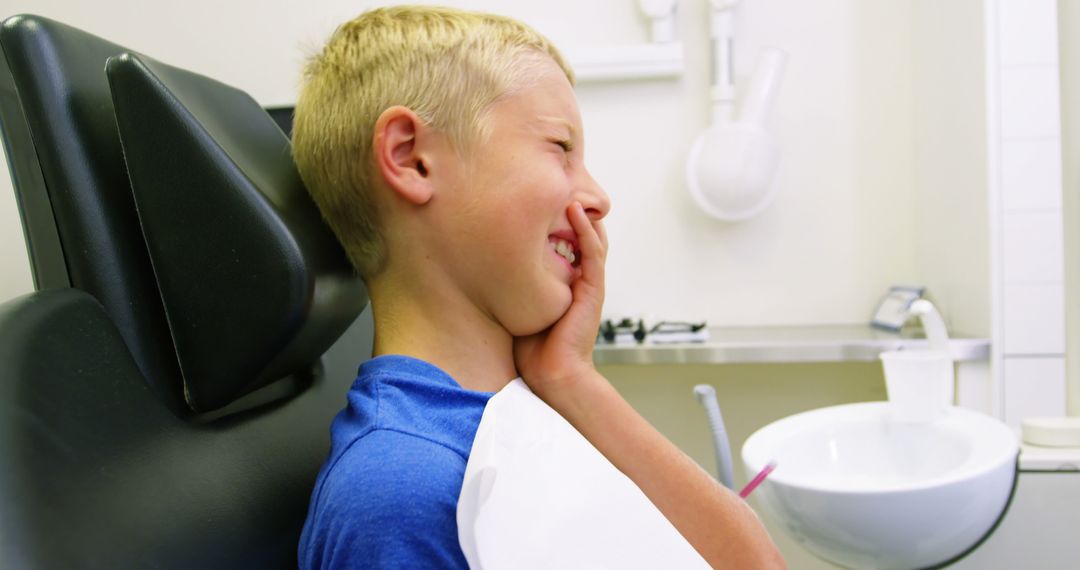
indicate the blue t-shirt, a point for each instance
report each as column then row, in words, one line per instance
column 387, row 495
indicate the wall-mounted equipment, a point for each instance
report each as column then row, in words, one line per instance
column 732, row 164
column 660, row 58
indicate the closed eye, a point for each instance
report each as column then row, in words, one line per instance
column 566, row 145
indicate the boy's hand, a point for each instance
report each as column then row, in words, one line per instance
column 557, row 366
column 554, row 361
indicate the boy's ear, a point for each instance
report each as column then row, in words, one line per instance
column 401, row 154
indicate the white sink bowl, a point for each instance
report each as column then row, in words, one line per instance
column 862, row 491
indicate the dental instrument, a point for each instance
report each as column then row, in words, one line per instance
column 707, row 396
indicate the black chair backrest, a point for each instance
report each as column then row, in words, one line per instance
column 97, row 468
column 60, row 135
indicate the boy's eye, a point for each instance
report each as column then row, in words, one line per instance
column 566, row 145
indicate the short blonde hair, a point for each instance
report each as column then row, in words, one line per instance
column 448, row 66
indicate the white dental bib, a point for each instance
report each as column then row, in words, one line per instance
column 538, row 495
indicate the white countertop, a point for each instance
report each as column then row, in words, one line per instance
column 1038, row 458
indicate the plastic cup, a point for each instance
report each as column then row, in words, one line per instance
column 919, row 384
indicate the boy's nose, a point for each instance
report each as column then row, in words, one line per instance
column 593, row 199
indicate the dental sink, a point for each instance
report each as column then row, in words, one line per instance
column 862, row 490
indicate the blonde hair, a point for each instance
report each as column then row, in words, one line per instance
column 448, row 66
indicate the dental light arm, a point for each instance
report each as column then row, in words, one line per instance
column 722, row 30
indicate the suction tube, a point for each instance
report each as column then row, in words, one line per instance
column 707, row 396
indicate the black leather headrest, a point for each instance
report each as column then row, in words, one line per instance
column 254, row 284
column 73, row 192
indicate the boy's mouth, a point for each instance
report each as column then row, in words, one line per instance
column 566, row 248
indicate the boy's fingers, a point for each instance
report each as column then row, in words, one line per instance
column 591, row 241
column 601, row 231
column 590, row 233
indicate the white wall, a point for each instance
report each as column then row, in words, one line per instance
column 951, row 210
column 840, row 232
column 1069, row 28
column 15, row 276
column 1024, row 137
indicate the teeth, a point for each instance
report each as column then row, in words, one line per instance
column 563, row 248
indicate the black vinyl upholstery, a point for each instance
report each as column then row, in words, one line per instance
column 60, row 132
column 218, row 195
column 96, row 473
column 102, row 464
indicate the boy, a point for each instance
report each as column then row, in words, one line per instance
column 445, row 150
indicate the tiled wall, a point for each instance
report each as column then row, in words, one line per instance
column 1024, row 119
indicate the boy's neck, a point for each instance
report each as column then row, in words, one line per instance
column 445, row 331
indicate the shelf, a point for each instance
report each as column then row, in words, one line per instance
column 825, row 343
column 627, row 63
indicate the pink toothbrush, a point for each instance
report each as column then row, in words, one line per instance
column 749, row 488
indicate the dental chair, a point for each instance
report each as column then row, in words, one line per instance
column 166, row 392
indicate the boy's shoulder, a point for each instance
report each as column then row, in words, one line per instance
column 390, row 477
column 389, row 468
column 389, row 501
column 410, row 397
column 404, row 418
column 390, row 487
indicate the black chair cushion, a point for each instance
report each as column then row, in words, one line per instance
column 255, row 286
column 96, row 473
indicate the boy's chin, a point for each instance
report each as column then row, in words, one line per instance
column 540, row 319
